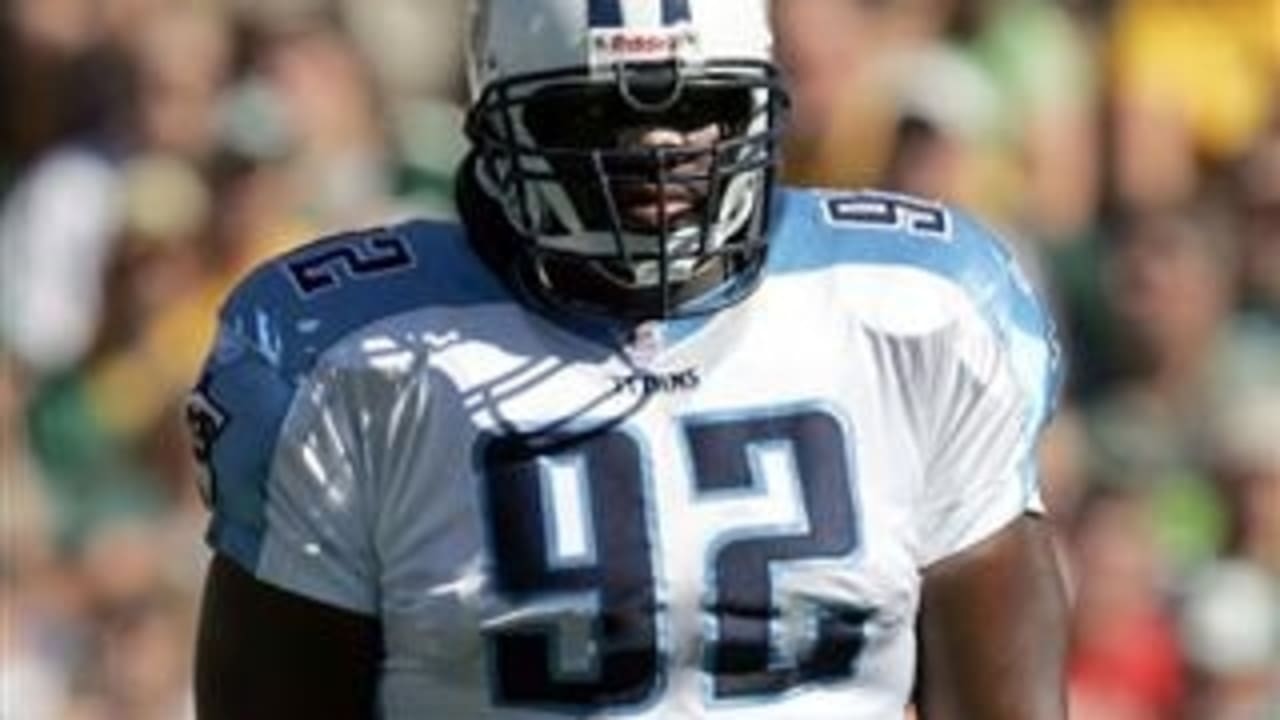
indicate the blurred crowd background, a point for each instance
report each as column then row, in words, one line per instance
column 153, row 150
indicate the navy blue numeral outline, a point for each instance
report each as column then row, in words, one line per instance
column 356, row 259
column 889, row 211
column 741, row 662
column 522, row 666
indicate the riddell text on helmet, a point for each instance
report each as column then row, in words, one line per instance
column 614, row 46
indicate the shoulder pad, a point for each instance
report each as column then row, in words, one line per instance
column 824, row 229
column 295, row 307
column 275, row 327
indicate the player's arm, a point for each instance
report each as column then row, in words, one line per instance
column 993, row 630
column 266, row 653
column 288, row 626
column 992, row 622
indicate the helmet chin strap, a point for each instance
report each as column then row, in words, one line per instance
column 604, row 245
column 603, row 287
column 591, row 287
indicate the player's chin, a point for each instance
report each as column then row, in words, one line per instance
column 652, row 217
column 650, row 212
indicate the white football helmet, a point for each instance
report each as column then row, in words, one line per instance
column 557, row 87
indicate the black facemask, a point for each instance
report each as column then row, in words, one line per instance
column 564, row 132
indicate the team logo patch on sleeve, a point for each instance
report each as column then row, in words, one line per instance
column 206, row 421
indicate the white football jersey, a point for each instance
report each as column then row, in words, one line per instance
column 721, row 517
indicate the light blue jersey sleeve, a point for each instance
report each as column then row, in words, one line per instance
column 985, row 367
column 279, row 417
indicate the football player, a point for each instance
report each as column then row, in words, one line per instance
column 645, row 435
